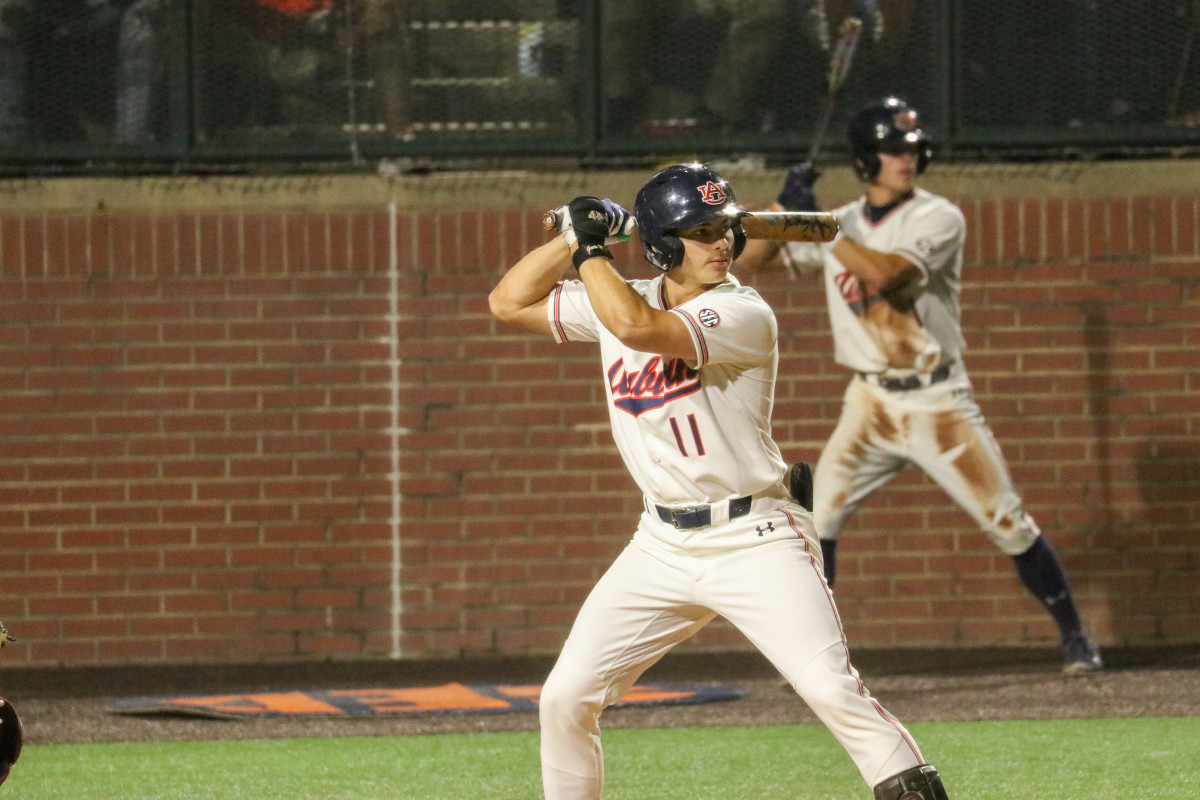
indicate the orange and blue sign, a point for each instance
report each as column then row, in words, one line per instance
column 447, row 698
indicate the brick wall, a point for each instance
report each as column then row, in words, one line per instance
column 202, row 412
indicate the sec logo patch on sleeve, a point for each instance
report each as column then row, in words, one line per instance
column 709, row 318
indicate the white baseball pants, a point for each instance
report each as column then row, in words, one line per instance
column 652, row 598
column 940, row 429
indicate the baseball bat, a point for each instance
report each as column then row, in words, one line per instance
column 780, row 226
column 790, row 226
column 839, row 67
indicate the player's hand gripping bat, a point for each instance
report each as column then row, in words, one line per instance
column 784, row 226
column 839, row 67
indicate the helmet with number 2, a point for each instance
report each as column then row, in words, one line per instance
column 890, row 123
column 682, row 196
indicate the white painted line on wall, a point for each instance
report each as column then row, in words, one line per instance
column 394, row 361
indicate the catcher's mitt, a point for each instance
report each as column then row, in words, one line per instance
column 12, row 736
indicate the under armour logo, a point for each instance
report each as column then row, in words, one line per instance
column 769, row 529
column 712, row 193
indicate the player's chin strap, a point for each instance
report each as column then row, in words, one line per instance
column 922, row 782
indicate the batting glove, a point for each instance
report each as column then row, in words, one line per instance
column 591, row 223
column 620, row 223
column 563, row 215
column 797, row 193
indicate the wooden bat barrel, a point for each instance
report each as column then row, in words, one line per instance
column 782, row 226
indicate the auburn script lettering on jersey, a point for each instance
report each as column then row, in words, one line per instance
column 681, row 424
column 653, row 386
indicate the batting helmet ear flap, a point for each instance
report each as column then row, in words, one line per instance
column 667, row 250
column 867, row 165
column 924, row 156
column 739, row 239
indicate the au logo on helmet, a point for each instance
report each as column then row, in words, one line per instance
column 905, row 120
column 713, row 193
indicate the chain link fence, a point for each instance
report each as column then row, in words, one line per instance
column 183, row 85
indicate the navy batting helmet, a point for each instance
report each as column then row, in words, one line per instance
column 889, row 123
column 682, row 196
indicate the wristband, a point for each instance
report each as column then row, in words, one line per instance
column 590, row 251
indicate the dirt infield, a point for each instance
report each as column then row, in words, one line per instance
column 69, row 706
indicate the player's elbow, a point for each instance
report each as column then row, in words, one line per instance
column 902, row 288
column 502, row 306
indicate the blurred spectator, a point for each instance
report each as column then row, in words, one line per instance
column 56, row 69
column 144, row 40
column 754, row 32
column 301, row 64
column 380, row 26
column 99, row 70
column 717, row 65
column 261, row 64
column 14, row 44
column 664, row 61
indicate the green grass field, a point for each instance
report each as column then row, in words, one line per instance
column 1097, row 759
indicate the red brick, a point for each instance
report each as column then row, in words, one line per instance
column 237, row 416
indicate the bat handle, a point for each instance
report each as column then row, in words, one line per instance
column 553, row 220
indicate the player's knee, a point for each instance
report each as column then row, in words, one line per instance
column 567, row 700
column 1013, row 532
column 831, row 690
column 557, row 701
column 922, row 782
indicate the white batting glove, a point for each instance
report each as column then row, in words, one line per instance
column 620, row 223
column 563, row 215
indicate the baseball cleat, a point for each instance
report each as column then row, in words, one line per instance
column 1082, row 656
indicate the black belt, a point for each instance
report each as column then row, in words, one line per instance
column 912, row 381
column 700, row 516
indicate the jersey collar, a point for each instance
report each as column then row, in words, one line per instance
column 660, row 293
column 875, row 214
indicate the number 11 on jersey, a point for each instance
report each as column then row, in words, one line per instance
column 691, row 418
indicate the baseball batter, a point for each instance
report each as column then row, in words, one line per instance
column 688, row 361
column 892, row 280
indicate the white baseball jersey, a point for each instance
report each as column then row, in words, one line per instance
column 697, row 432
column 690, row 433
column 939, row 427
column 869, row 334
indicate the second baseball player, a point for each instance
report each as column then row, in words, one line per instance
column 893, row 279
